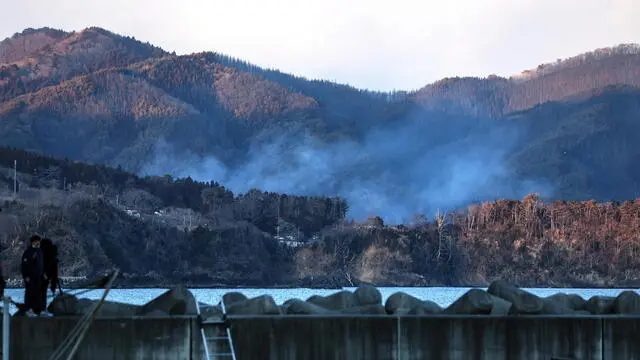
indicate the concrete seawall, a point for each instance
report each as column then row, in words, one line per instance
column 436, row 337
column 130, row 338
column 502, row 322
column 348, row 337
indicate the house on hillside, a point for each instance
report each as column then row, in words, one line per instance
column 289, row 241
column 132, row 212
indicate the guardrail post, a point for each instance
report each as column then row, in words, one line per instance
column 6, row 328
column 398, row 351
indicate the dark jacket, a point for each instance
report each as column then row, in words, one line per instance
column 50, row 259
column 3, row 284
column 32, row 264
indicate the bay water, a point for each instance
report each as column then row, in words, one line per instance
column 443, row 296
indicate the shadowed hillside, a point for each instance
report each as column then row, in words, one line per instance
column 156, row 229
column 160, row 230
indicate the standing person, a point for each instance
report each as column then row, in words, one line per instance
column 50, row 261
column 3, row 284
column 33, row 275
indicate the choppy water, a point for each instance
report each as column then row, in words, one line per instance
column 440, row 295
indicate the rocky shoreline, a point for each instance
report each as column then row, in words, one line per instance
column 500, row 299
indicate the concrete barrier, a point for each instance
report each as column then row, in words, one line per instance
column 162, row 338
column 455, row 337
column 342, row 336
column 620, row 337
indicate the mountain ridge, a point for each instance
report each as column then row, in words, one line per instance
column 100, row 97
column 524, row 75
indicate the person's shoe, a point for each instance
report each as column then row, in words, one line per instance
column 30, row 313
column 46, row 314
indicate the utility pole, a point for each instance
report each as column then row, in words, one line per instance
column 278, row 220
column 15, row 178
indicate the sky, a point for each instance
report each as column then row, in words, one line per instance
column 372, row 44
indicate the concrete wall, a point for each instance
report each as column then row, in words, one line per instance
column 437, row 337
column 621, row 337
column 343, row 337
column 168, row 338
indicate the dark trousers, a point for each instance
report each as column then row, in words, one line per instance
column 33, row 296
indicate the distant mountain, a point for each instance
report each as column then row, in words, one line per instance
column 564, row 129
column 495, row 96
column 35, row 59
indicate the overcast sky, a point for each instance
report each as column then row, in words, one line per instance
column 382, row 45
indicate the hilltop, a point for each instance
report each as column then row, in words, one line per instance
column 578, row 76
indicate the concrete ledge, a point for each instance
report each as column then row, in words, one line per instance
column 165, row 338
column 311, row 337
column 621, row 337
column 343, row 336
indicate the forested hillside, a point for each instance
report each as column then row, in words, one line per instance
column 162, row 230
column 154, row 226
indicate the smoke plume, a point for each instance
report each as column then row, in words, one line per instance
column 394, row 171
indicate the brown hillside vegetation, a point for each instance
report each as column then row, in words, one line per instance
column 472, row 96
column 140, row 91
column 497, row 96
column 103, row 93
column 28, row 42
column 43, row 57
column 77, row 53
column 241, row 93
column 528, row 242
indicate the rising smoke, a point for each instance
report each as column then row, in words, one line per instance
column 394, row 171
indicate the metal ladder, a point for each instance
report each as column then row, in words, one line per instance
column 211, row 330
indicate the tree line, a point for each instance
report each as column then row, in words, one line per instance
column 528, row 241
column 263, row 209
